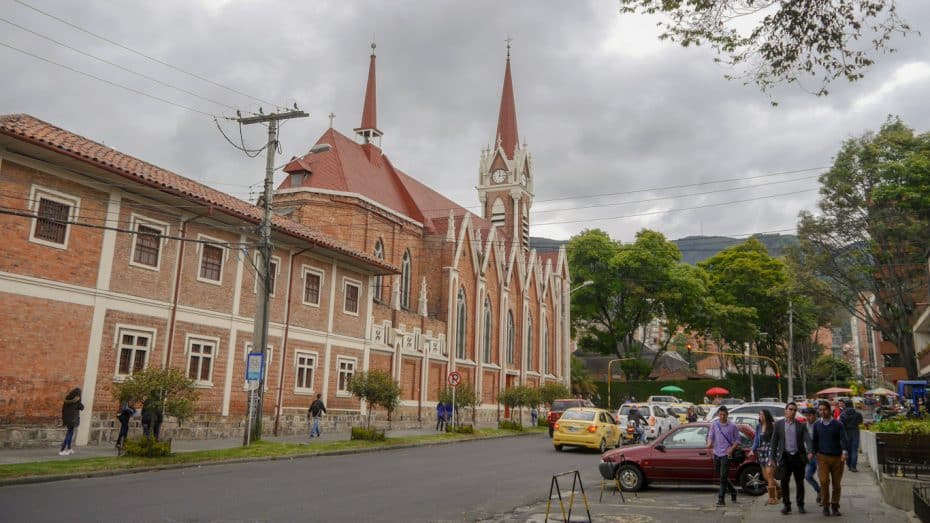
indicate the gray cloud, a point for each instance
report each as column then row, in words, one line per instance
column 604, row 106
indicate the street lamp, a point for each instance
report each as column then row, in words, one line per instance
column 587, row 283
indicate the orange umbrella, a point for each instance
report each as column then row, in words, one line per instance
column 717, row 391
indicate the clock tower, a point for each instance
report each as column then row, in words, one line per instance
column 505, row 174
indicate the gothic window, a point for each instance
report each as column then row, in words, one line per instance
column 544, row 348
column 461, row 317
column 486, row 328
column 498, row 212
column 379, row 280
column 511, row 337
column 526, row 226
column 405, row 280
column 529, row 342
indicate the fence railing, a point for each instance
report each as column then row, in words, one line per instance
column 922, row 503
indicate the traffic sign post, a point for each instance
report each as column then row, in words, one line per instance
column 454, row 379
column 254, row 370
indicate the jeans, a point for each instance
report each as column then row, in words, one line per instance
column 66, row 444
column 440, row 422
column 794, row 466
column 315, row 429
column 809, row 475
column 123, row 432
column 830, row 469
column 722, row 467
column 852, row 459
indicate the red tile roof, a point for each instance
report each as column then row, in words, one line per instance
column 32, row 130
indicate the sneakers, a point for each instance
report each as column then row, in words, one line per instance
column 70, row 451
column 826, row 511
column 721, row 502
column 836, row 511
column 63, row 453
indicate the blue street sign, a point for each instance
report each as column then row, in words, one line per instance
column 255, row 365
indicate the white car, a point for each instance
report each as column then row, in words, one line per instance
column 777, row 410
column 662, row 400
column 658, row 421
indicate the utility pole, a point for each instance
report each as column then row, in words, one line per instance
column 263, row 269
column 790, row 350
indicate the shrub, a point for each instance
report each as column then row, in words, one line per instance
column 147, row 447
column 902, row 426
column 368, row 434
column 460, row 429
column 510, row 425
column 542, row 422
column 378, row 388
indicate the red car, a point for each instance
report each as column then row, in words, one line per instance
column 560, row 406
column 680, row 456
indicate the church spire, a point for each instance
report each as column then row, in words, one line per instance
column 507, row 120
column 369, row 127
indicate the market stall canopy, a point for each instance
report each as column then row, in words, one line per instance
column 717, row 391
column 671, row 388
column 881, row 391
column 834, row 390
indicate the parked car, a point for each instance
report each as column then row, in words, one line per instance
column 663, row 400
column 560, row 406
column 768, row 400
column 777, row 410
column 587, row 427
column 658, row 421
column 681, row 456
column 732, row 401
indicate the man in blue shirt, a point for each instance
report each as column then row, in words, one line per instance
column 723, row 438
column 831, row 449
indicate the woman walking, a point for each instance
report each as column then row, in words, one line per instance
column 71, row 418
column 762, row 448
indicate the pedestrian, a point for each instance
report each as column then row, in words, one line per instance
column 706, row 400
column 450, row 414
column 762, row 448
column 789, row 453
column 440, row 416
column 126, row 412
column 830, row 447
column 315, row 413
column 152, row 415
column 70, row 418
column 723, row 438
column 851, row 419
column 534, row 416
column 811, row 416
column 691, row 416
column 639, row 423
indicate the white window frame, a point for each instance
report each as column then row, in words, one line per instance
column 223, row 258
column 118, row 330
column 304, row 269
column 344, row 393
column 316, row 358
column 269, row 352
column 346, row 282
column 189, row 340
column 38, row 192
column 276, row 261
column 135, row 220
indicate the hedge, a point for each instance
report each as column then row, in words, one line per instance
column 738, row 385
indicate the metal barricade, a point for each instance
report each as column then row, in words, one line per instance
column 576, row 483
column 922, row 503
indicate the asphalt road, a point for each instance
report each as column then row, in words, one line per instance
column 458, row 482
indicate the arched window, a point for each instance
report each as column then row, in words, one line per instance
column 461, row 317
column 529, row 342
column 511, row 337
column 405, row 280
column 544, row 349
column 486, row 328
column 379, row 280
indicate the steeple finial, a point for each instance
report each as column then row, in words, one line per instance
column 369, row 127
column 507, row 119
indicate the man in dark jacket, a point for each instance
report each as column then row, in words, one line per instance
column 152, row 415
column 70, row 418
column 639, row 422
column 316, row 411
column 851, row 419
column 790, row 453
column 830, row 447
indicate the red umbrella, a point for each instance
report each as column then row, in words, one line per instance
column 834, row 390
column 717, row 391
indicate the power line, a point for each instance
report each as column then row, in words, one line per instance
column 134, row 51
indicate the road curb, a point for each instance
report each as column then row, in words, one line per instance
column 27, row 480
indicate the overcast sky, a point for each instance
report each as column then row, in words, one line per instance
column 605, row 108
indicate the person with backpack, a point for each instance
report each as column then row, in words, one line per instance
column 315, row 412
column 70, row 418
column 125, row 414
column 851, row 419
column 440, row 416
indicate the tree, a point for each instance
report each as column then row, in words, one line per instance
column 465, row 398
column 828, row 369
column 552, row 391
column 768, row 42
column 377, row 388
column 172, row 391
column 518, row 397
column 868, row 242
column 635, row 369
column 682, row 302
column 582, row 382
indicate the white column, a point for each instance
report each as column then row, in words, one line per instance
column 329, row 332
column 233, row 351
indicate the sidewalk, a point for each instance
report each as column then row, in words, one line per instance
column 861, row 500
column 30, row 455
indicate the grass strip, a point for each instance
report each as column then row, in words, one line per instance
column 259, row 449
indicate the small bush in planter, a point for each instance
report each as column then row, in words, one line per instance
column 510, row 425
column 367, row 434
column 147, row 447
column 460, row 429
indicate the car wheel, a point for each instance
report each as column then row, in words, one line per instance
column 602, row 447
column 751, row 481
column 558, row 448
column 631, row 478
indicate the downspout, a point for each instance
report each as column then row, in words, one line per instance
column 287, row 323
column 422, row 370
column 177, row 284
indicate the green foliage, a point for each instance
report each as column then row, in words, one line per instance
column 582, row 382
column 466, row 397
column 461, row 429
column 903, row 426
column 552, row 391
column 518, row 397
column 367, row 434
column 872, row 231
column 828, row 369
column 510, row 425
column 635, row 369
column 167, row 389
column 770, row 43
column 377, row 388
column 737, row 384
column 146, row 447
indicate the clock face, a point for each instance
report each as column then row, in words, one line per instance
column 498, row 176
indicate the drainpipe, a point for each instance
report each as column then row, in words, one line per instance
column 177, row 283
column 287, row 323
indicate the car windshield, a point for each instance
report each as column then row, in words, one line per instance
column 577, row 415
column 564, row 404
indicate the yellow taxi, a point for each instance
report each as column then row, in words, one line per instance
column 680, row 410
column 587, row 427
